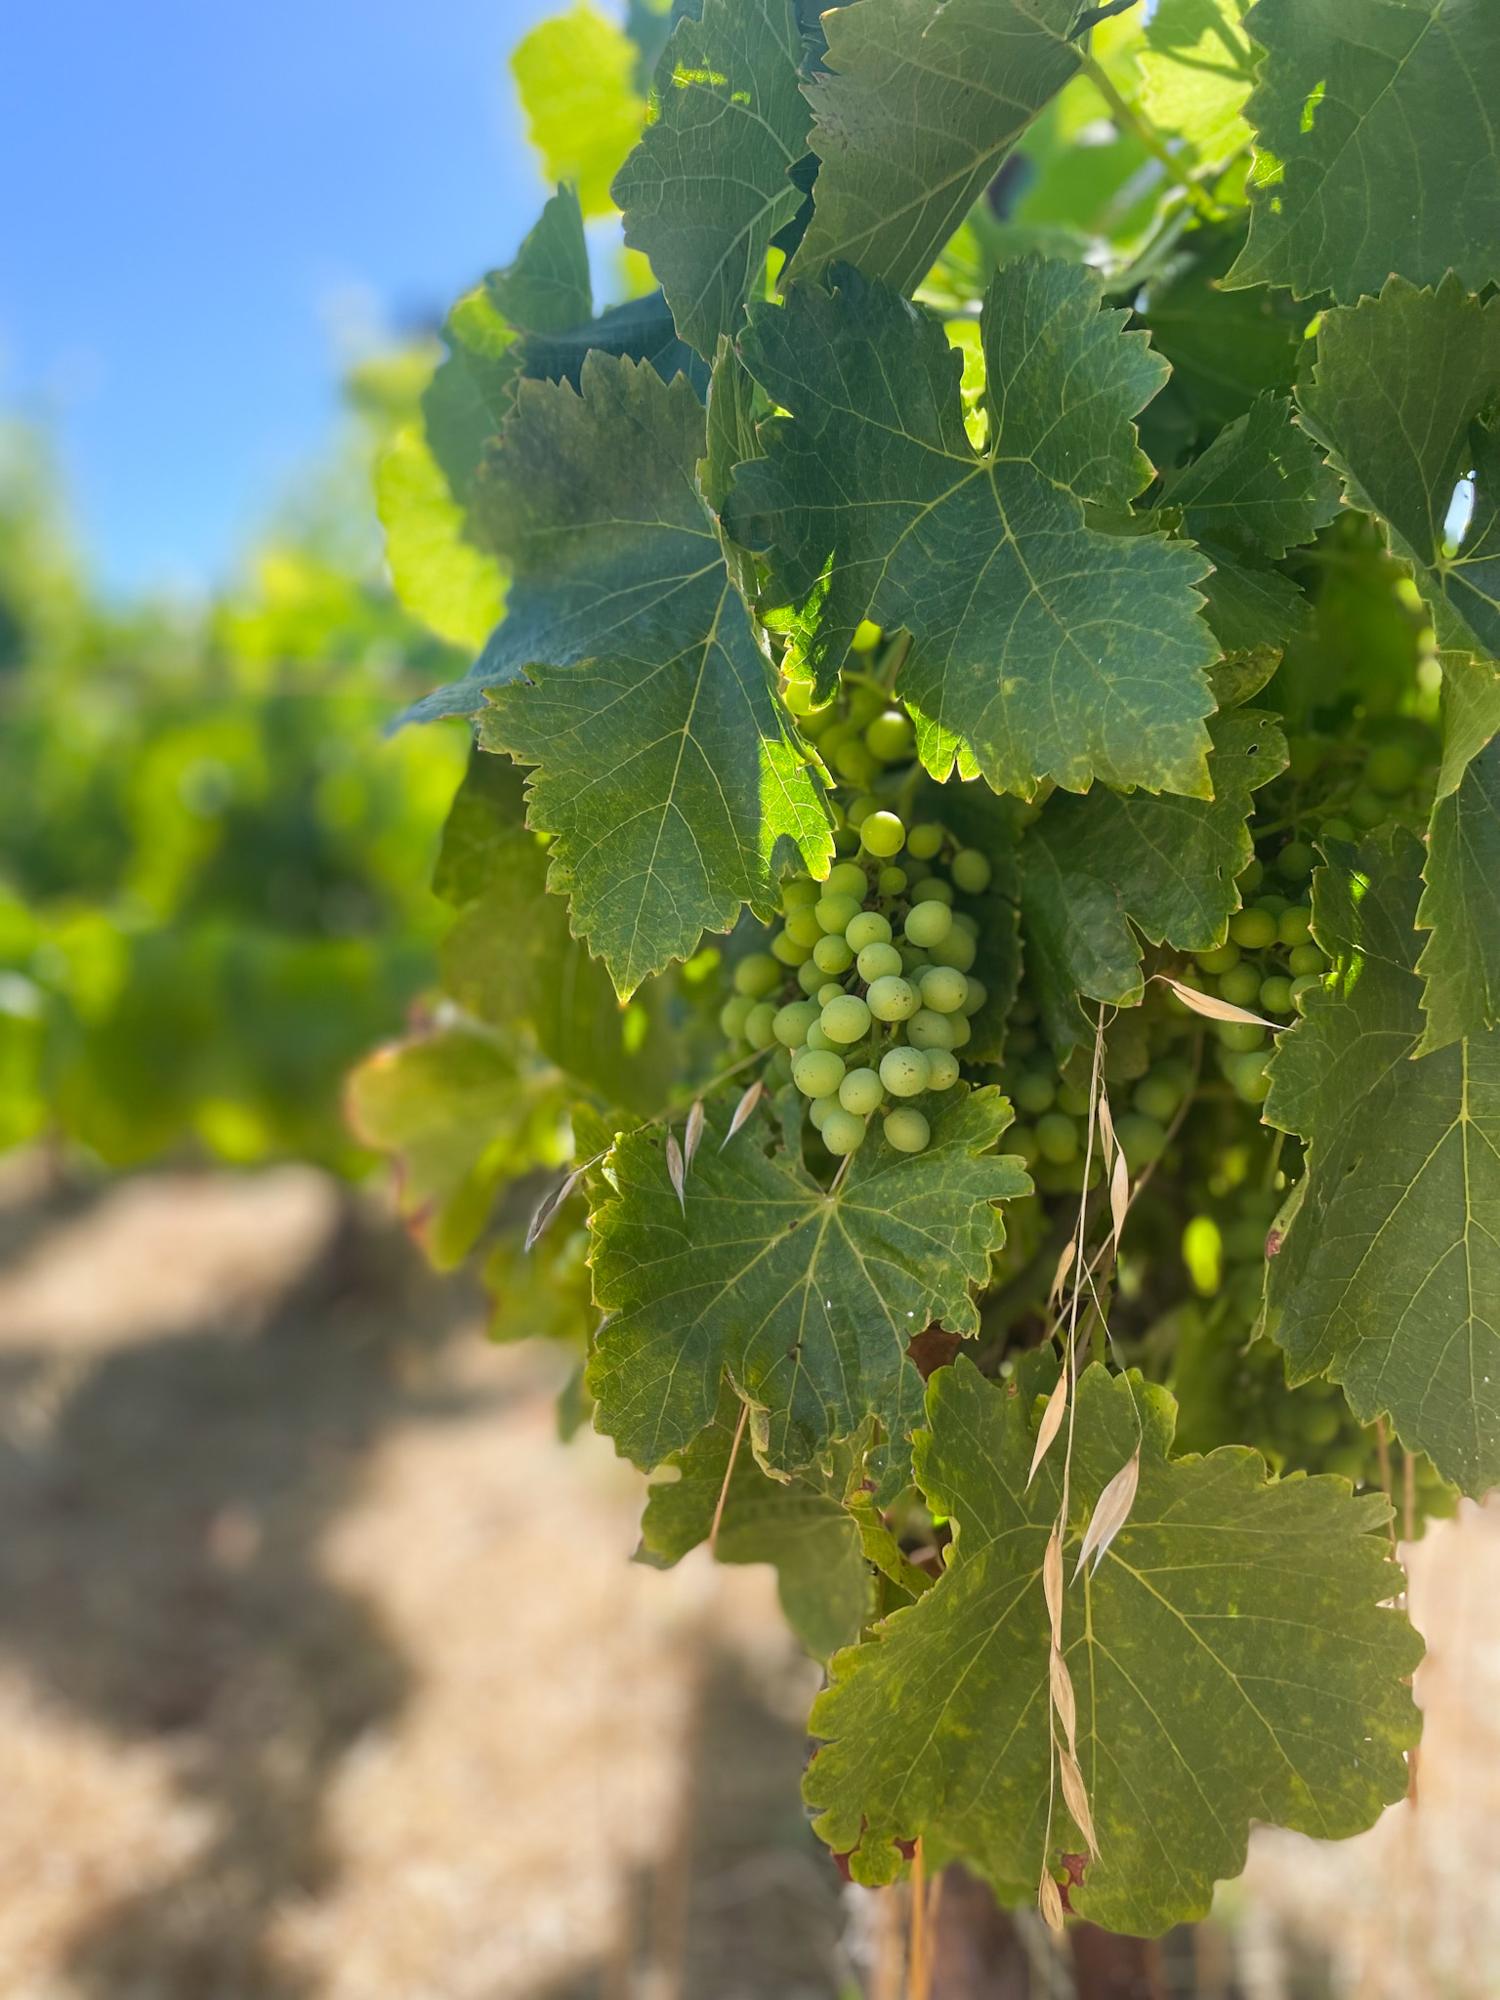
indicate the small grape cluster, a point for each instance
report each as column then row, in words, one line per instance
column 867, row 983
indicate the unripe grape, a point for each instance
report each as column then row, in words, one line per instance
column 818, row 1109
column 1222, row 958
column 1239, row 1035
column 907, row 1130
column 1390, row 768
column 961, row 1028
column 971, row 871
column 1276, row 995
column 816, row 1039
column 1240, row 986
column 1021, row 1140
column 883, row 835
column 842, row 1132
column 933, row 889
column 832, row 954
column 925, row 840
column 845, row 841
column 803, row 928
column 1252, row 930
column 816, row 722
column 1306, row 958
column 809, row 978
column 878, row 961
column 1156, row 1096
column 733, row 1016
column 799, row 892
column 777, row 1073
column 957, row 949
column 1295, row 861
column 891, row 881
column 926, row 923
column 1142, row 1139
column 1073, row 1098
column 1246, row 1072
column 889, row 737
column 1367, row 808
column 1303, row 986
column 757, row 974
column 818, row 1072
column 861, row 1092
column 944, row 989
column 793, row 1021
column 1273, row 904
column 912, row 960
column 916, row 871
column 1294, row 926
column 865, row 702
column 1337, row 828
column 866, row 636
column 869, row 927
column 854, row 763
column 892, row 999
column 846, row 878
column 759, row 1029
column 1251, row 876
column 904, row 1072
column 1034, row 1092
column 965, row 920
column 799, row 697
column 942, row 1069
column 846, row 1019
column 859, row 810
column 977, row 995
column 836, row 912
column 927, row 1030
column 830, row 990
column 788, row 951
column 1304, row 755
column 1057, row 1138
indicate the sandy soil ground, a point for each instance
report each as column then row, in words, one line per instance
column 324, row 1673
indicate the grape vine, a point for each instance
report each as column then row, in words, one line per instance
column 994, row 955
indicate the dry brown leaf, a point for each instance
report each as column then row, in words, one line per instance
column 1214, row 1009
column 1075, row 1793
column 1062, row 1696
column 549, row 1206
column 1052, row 1584
column 1060, row 1276
column 1119, row 1196
column 676, row 1171
column 1111, row 1512
column 693, row 1132
column 1052, row 1416
column 1049, row 1902
column 1107, row 1127
column 742, row 1111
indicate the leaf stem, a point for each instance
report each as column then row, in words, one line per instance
column 1125, row 114
column 734, row 1452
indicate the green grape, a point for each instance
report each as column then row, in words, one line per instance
column 927, row 923
column 1223, row 958
column 799, row 892
column 845, row 840
column 799, row 697
column 1246, row 1073
column 803, row 928
column 1240, row 986
column 904, row 1072
column 1251, row 876
column 892, row 999
column 865, row 703
column 859, row 810
column 1337, row 829
column 944, row 989
column 913, row 960
column 838, row 732
column 883, row 835
column 869, row 927
column 866, row 636
column 1157, row 1095
column 809, row 978
column 733, row 1016
column 836, row 912
column 816, row 1039
column 890, row 736
column 1304, row 754
column 1295, row 861
column 846, row 1019
column 759, row 1029
column 757, row 974
column 1142, row 1140
column 933, row 889
column 818, row 1109
column 832, row 954
column 842, row 1132
column 1057, row 1138
column 927, row 1030
column 957, row 949
column 788, row 951
column 793, row 1021
column 778, row 1071
column 942, row 1069
column 878, row 961
column 1021, row 1140
column 1239, row 1036
column 1306, row 958
column 891, row 881
column 1391, row 769
column 829, row 991
column 978, row 994
column 818, row 1072
column 1322, row 1423
column 1273, row 905
column 1276, row 995
column 1294, row 926
column 907, row 1130
column 1304, row 985
column 1073, row 1098
column 964, row 920
column 1368, row 809
column 853, row 762
column 817, row 722
column 1034, row 1092
column 1251, row 929
column 971, row 871
column 846, row 878
column 961, row 1028
column 925, row 840
column 861, row 1092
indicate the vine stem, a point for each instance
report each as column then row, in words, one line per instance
column 917, row 1982
column 719, row 1504
column 1126, row 114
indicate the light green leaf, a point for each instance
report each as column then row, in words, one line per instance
column 1390, row 1271
column 1234, row 1660
column 1042, row 647
column 807, row 1300
column 707, row 187
column 1197, row 66
column 456, row 589
column 1460, row 964
column 1375, row 130
column 1100, row 873
column 921, row 102
column 576, row 78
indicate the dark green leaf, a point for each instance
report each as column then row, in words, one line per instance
column 1460, row 965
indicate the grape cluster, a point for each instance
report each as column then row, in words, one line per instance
column 867, row 983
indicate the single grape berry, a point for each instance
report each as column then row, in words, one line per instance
column 904, row 1072
column 957, row 949
column 1142, row 1139
column 793, row 1021
column 853, row 762
column 933, row 889
column 846, row 1018
column 818, row 1072
column 733, row 1016
column 1294, row 926
column 1252, row 929
column 1390, row 768
column 961, row 1028
column 924, row 841
column 803, row 928
column 757, row 974
column 861, row 1092
column 1222, row 958
column 1251, row 876
column 1295, row 861
column 1240, row 1036
column 889, row 737
column 878, row 961
column 869, row 927
column 1034, row 1092
column 928, row 1030
column 787, row 950
column 1021, row 1140
column 1368, row 809
column 842, row 1131
column 977, row 995
column 1057, row 1138
column 846, row 878
column 866, row 636
column 1240, row 986
column 1157, row 1095
column 1337, row 828
column 942, row 1069
column 760, row 1030
column 944, row 989
column 829, row 991
column 809, row 978
column 907, row 1130
column 859, row 809
column 832, row 954
column 799, row 892
column 1073, row 1098
column 883, row 835
column 893, row 999
column 1304, row 958
column 971, row 871
column 927, row 923
column 836, row 911
column 1276, row 995
column 818, row 1109
column 891, row 881
column 816, row 1039
column 1302, row 986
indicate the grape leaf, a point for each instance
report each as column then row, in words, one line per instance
column 822, row 1579
column 1098, row 873
column 1460, row 964
column 806, row 1299
column 1233, row 1658
column 921, row 101
column 1390, row 1269
column 707, row 187
column 1042, row 647
column 1375, row 137
column 1260, row 489
column 1226, row 348
column 1397, row 397
column 665, row 769
column 1197, row 66
column 576, row 78
column 439, row 576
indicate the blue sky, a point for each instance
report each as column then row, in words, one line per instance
column 202, row 202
